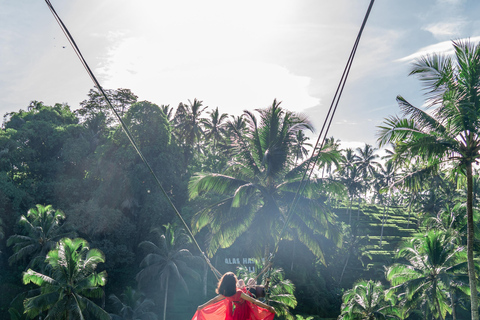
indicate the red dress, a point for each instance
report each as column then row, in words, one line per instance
column 233, row 308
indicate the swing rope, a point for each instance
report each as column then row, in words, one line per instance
column 313, row 159
column 127, row 132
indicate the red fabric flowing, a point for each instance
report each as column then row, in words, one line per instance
column 233, row 308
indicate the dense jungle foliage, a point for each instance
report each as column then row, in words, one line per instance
column 86, row 232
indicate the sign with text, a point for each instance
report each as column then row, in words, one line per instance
column 247, row 262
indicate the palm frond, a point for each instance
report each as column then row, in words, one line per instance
column 213, row 182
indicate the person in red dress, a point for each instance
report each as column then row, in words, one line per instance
column 233, row 304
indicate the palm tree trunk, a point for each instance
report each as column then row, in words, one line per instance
column 438, row 308
column 383, row 223
column 470, row 239
column 350, row 211
column 358, row 209
column 409, row 212
column 453, row 298
column 344, row 267
column 293, row 255
column 165, row 302
column 205, row 275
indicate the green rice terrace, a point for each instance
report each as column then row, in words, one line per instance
column 379, row 247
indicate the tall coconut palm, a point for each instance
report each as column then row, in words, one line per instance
column 235, row 126
column 300, row 146
column 350, row 175
column 214, row 126
column 433, row 264
column 449, row 130
column 367, row 166
column 259, row 186
column 384, row 178
column 335, row 145
column 451, row 220
column 168, row 111
column 367, row 160
column 188, row 125
column 72, row 280
column 366, row 301
column 167, row 260
column 42, row 229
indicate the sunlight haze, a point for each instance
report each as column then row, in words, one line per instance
column 234, row 55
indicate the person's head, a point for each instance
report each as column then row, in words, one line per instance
column 227, row 286
column 240, row 283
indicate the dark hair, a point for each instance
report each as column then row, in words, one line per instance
column 227, row 285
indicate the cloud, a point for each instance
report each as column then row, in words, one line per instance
column 233, row 84
column 450, row 2
column 445, row 29
column 345, row 122
column 374, row 52
column 351, row 144
column 444, row 47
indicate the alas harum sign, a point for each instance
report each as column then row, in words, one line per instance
column 247, row 262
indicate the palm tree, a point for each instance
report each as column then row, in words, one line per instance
column 259, row 186
column 451, row 220
column 367, row 160
column 236, row 126
column 215, row 126
column 300, row 145
column 449, row 131
column 367, row 166
column 434, row 265
column 350, row 176
column 384, row 178
column 167, row 260
column 43, row 227
column 410, row 197
column 188, row 125
column 366, row 301
column 133, row 306
column 168, row 111
column 333, row 144
column 71, row 281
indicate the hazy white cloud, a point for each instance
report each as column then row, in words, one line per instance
column 218, row 56
column 451, row 2
column 444, row 47
column 374, row 52
column 352, row 144
column 348, row 122
column 231, row 84
column 445, row 29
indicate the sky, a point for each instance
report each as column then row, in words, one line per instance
column 235, row 55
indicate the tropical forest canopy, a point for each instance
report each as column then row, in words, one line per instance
column 86, row 231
